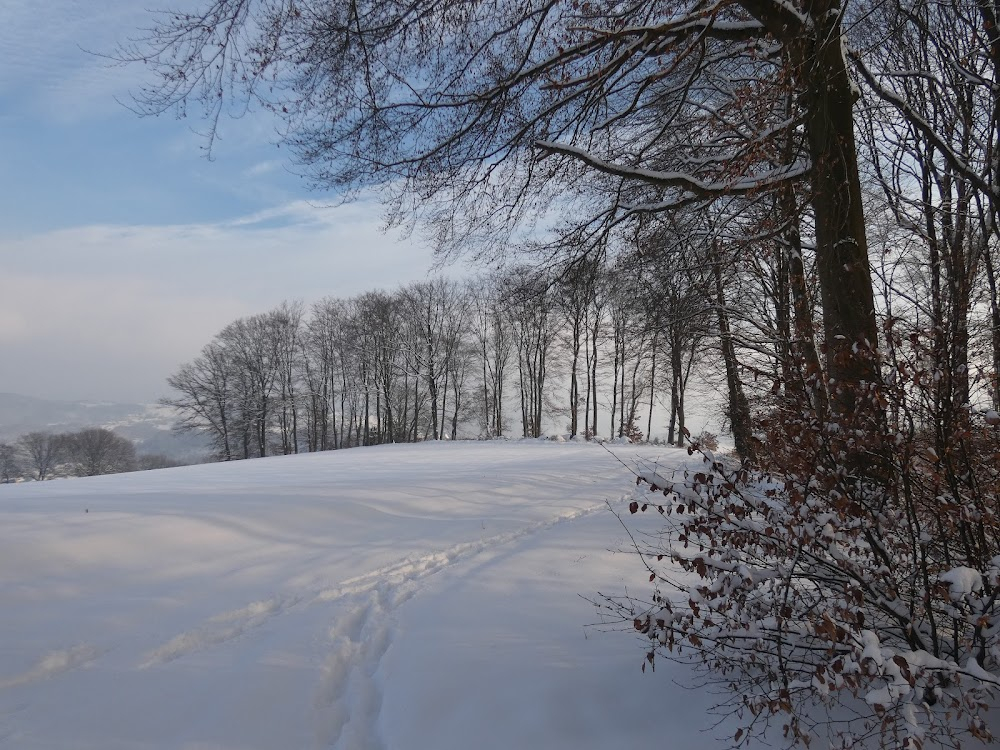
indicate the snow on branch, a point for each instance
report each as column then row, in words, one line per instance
column 741, row 184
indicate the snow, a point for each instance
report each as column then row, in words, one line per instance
column 962, row 581
column 422, row 596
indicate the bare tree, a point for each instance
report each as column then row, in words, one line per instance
column 495, row 344
column 529, row 313
column 44, row 450
column 676, row 300
column 10, row 466
column 574, row 293
column 379, row 320
column 255, row 350
column 437, row 311
column 594, row 336
column 320, row 371
column 206, row 397
column 100, row 451
column 285, row 325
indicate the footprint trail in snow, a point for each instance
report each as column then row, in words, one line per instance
column 349, row 698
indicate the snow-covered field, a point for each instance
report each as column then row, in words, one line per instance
column 406, row 597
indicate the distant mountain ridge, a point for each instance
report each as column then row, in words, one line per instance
column 147, row 425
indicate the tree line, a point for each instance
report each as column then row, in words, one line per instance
column 493, row 356
column 88, row 452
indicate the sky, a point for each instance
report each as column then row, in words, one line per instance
column 123, row 248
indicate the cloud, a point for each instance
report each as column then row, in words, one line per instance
column 109, row 283
column 14, row 325
column 293, row 249
column 45, row 57
column 107, row 312
column 264, row 167
column 52, row 53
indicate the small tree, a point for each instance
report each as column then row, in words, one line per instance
column 148, row 461
column 632, row 432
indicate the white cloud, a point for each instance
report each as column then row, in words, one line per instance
column 51, row 52
column 45, row 57
column 13, row 325
column 107, row 312
column 264, row 167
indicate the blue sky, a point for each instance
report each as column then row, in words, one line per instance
column 123, row 248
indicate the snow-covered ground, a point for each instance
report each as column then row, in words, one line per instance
column 405, row 597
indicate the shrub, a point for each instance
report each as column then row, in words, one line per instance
column 860, row 569
column 707, row 440
column 632, row 432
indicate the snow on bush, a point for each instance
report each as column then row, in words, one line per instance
column 801, row 601
column 852, row 590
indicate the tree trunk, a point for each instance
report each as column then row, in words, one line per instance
column 850, row 330
column 803, row 349
column 574, row 384
column 991, row 278
column 739, row 406
column 676, row 379
column 652, row 388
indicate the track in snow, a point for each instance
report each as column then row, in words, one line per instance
column 253, row 637
column 349, row 697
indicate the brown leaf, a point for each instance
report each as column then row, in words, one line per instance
column 904, row 668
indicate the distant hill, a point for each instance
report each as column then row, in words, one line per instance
column 148, row 425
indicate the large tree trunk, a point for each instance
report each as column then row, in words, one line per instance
column 850, row 330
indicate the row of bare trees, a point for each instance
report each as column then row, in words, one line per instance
column 84, row 453
column 441, row 358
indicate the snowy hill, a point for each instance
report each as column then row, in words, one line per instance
column 419, row 596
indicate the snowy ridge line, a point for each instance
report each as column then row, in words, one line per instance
column 227, row 626
column 53, row 663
